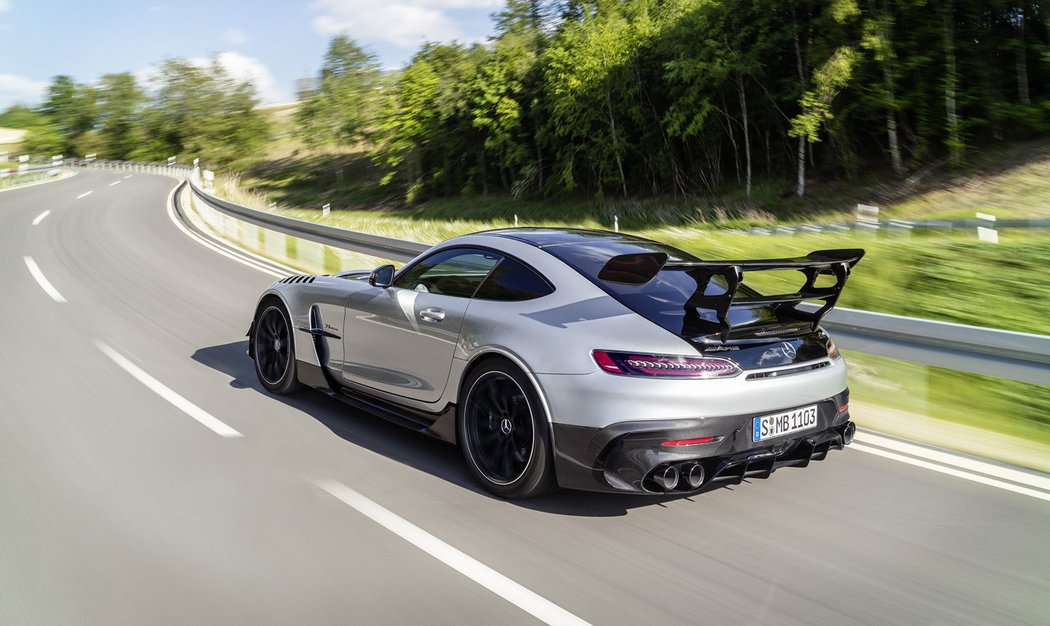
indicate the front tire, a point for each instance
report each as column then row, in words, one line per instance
column 503, row 432
column 275, row 363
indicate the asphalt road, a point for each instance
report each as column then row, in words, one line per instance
column 119, row 508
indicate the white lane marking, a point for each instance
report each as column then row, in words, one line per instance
column 157, row 387
column 42, row 280
column 85, row 194
column 530, row 602
column 40, row 218
column 128, row 176
column 204, row 242
column 116, row 182
column 956, row 460
column 951, row 471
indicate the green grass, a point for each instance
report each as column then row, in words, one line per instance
column 994, row 404
column 1011, row 183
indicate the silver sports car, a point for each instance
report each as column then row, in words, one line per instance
column 575, row 358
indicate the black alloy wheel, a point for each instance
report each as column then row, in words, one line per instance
column 503, row 432
column 274, row 351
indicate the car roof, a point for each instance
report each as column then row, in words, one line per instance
column 584, row 249
column 615, row 243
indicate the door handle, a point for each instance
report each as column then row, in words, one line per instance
column 431, row 314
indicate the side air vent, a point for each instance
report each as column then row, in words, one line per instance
column 297, row 279
column 789, row 371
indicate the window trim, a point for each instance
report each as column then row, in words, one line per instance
column 404, row 269
column 527, row 266
column 501, row 254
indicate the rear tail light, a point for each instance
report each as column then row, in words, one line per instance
column 833, row 350
column 664, row 366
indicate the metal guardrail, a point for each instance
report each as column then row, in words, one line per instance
column 894, row 225
column 998, row 353
column 375, row 245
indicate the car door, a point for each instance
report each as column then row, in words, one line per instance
column 401, row 339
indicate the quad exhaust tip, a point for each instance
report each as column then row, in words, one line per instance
column 848, row 432
column 693, row 475
column 666, row 477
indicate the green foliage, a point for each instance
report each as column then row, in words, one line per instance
column 119, row 111
column 191, row 111
column 70, row 109
column 346, row 107
column 648, row 97
column 201, row 112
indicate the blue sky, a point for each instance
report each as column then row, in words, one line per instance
column 272, row 42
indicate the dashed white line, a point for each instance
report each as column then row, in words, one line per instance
column 159, row 388
column 128, row 176
column 85, row 194
column 116, row 182
column 530, row 602
column 40, row 218
column 42, row 280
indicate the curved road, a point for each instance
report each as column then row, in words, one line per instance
column 128, row 496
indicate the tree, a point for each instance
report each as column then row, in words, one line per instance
column 200, row 111
column 70, row 109
column 119, row 111
column 345, row 108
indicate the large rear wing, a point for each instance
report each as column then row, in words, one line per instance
column 639, row 269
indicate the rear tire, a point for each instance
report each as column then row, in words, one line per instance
column 274, row 349
column 503, row 431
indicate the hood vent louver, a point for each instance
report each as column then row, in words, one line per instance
column 297, row 279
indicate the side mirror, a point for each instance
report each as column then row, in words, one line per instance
column 382, row 276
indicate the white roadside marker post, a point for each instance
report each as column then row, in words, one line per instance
column 515, row 220
column 987, row 234
column 867, row 218
column 326, row 210
column 616, row 223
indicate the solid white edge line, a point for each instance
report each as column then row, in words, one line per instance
column 40, row 218
column 530, row 602
column 42, row 280
column 207, row 244
column 159, row 388
column 951, row 471
column 85, row 194
column 945, row 457
column 116, row 182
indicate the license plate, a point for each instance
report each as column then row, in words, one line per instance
column 770, row 426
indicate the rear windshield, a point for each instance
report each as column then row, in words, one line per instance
column 661, row 300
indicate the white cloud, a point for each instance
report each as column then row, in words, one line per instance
column 234, row 36
column 240, row 67
column 403, row 23
column 19, row 89
column 244, row 68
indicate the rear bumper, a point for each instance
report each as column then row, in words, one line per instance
column 623, row 457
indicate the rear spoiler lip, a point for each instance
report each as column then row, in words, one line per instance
column 641, row 268
column 820, row 259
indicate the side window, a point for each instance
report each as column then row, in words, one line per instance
column 513, row 281
column 455, row 272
